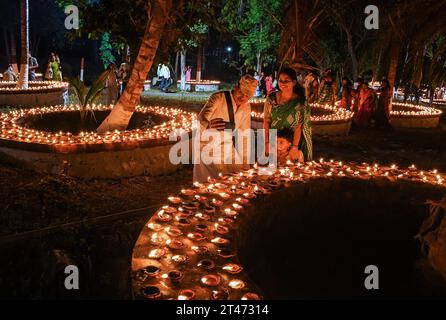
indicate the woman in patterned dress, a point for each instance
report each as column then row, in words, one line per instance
column 287, row 112
column 327, row 89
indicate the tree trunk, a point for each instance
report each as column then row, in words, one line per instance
column 24, row 41
column 351, row 51
column 259, row 62
column 7, row 51
column 177, row 57
column 183, row 70
column 418, row 68
column 120, row 116
column 13, row 51
column 199, row 62
column 393, row 58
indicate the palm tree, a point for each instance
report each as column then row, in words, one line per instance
column 24, row 32
column 119, row 117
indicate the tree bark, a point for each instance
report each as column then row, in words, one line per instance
column 177, row 57
column 352, row 55
column 24, row 41
column 120, row 116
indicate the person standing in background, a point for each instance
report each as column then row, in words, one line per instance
column 32, row 66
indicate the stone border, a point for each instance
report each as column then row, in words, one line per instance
column 186, row 249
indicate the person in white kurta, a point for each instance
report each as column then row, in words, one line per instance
column 212, row 119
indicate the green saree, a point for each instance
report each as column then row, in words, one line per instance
column 285, row 117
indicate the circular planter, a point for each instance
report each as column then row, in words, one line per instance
column 325, row 120
column 219, row 261
column 143, row 150
column 39, row 93
column 201, row 86
column 414, row 116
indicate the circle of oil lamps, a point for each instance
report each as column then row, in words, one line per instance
column 195, row 236
column 250, row 296
column 173, row 231
column 236, row 284
column 210, row 280
column 219, row 295
column 174, row 244
column 157, row 253
column 232, row 268
column 206, row 264
column 186, row 294
column 12, row 129
column 151, row 292
column 200, row 249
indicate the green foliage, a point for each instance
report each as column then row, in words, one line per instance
column 255, row 24
column 106, row 50
column 86, row 96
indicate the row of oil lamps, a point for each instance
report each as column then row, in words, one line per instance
column 333, row 113
column 10, row 129
column 34, row 86
column 187, row 247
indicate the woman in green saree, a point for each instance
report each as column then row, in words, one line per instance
column 287, row 112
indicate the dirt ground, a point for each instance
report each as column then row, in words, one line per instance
column 49, row 221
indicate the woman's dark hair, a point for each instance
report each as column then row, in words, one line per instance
column 297, row 89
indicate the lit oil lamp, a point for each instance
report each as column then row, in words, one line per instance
column 186, row 294
column 195, row 236
column 188, row 192
column 200, row 249
column 220, row 295
column 236, row 284
column 225, row 253
column 174, row 244
column 220, row 241
column 232, row 268
column 175, row 200
column 169, row 209
column 154, row 226
column 173, row 231
column 151, row 271
column 180, row 258
column 217, row 203
column 201, row 227
column 250, row 296
column 230, row 213
column 211, row 280
column 157, row 253
column 163, row 217
column 221, row 229
column 202, row 216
